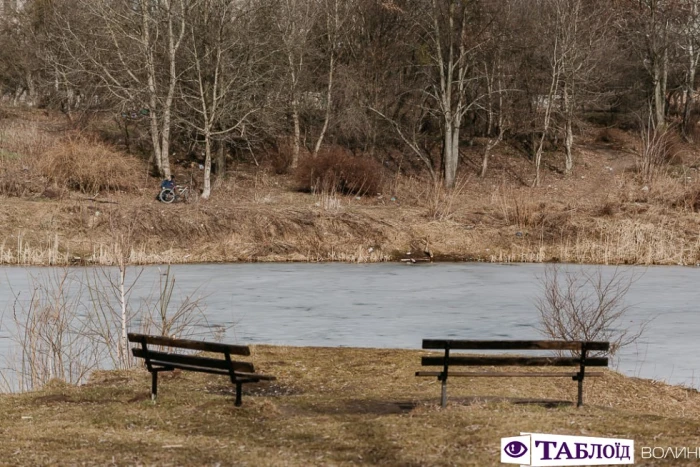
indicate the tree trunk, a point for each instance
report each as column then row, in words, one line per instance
column 327, row 117
column 449, row 157
column 155, row 140
column 493, row 142
column 123, row 342
column 206, row 191
column 296, row 144
column 659, row 96
column 689, row 91
column 221, row 160
column 569, row 142
column 31, row 88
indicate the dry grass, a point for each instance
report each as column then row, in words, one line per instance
column 21, row 145
column 329, row 407
column 36, row 159
column 602, row 213
column 90, row 166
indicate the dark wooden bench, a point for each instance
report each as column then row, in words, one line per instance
column 582, row 359
column 151, row 349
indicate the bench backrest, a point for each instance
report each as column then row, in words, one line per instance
column 467, row 360
column 194, row 362
column 189, row 344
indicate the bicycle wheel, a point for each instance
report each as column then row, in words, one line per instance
column 167, row 195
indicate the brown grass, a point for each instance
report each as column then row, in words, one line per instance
column 601, row 213
column 88, row 166
column 329, row 407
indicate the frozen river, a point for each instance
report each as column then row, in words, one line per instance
column 397, row 305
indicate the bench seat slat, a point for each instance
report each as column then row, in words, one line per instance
column 190, row 344
column 199, row 369
column 243, row 377
column 256, row 376
column 513, row 361
column 441, row 344
column 476, row 374
column 164, row 358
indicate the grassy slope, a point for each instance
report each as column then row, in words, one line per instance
column 329, row 407
column 601, row 213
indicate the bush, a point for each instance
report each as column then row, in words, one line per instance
column 336, row 171
column 89, row 166
column 587, row 305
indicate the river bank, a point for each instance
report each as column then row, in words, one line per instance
column 70, row 198
column 261, row 218
column 329, row 406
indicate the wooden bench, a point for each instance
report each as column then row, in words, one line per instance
column 581, row 349
column 158, row 360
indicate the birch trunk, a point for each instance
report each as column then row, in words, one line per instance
column 296, row 143
column 206, row 191
column 568, row 131
column 123, row 342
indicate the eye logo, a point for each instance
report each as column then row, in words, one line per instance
column 515, row 449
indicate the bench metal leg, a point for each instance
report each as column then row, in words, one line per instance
column 443, row 399
column 154, row 385
column 580, row 390
column 238, row 394
column 581, row 374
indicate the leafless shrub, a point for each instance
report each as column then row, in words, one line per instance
column 90, row 166
column 72, row 325
column 113, row 314
column 519, row 208
column 333, row 169
column 328, row 199
column 281, row 157
column 442, row 202
column 587, row 306
column 51, row 341
column 185, row 319
column 658, row 148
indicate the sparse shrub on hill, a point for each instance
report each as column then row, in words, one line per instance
column 90, row 166
column 657, row 149
column 281, row 158
column 336, row 171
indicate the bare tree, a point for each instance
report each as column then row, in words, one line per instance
column 294, row 20
column 132, row 50
column 217, row 87
column 333, row 31
column 583, row 29
column 498, row 80
column 690, row 46
column 451, row 54
column 587, row 306
column 651, row 28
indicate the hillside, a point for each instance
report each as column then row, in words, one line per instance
column 72, row 199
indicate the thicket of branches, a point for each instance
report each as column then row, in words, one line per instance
column 215, row 78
